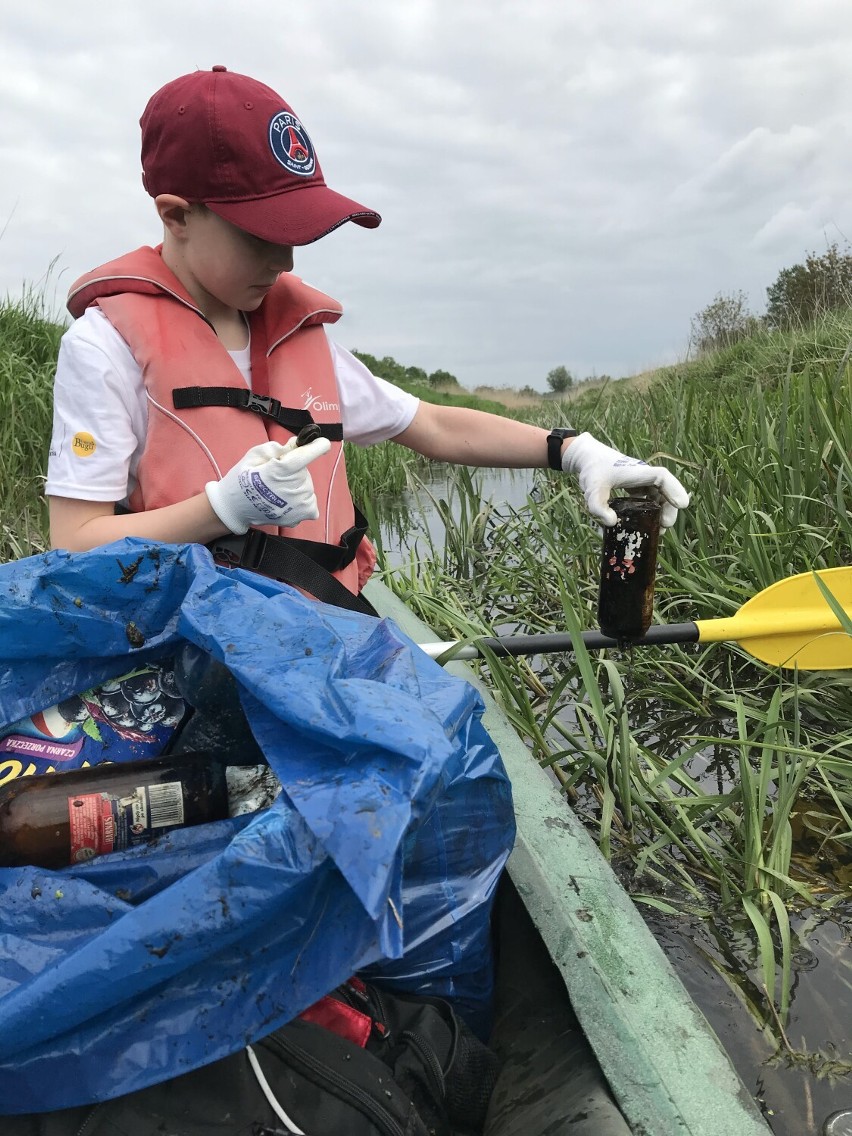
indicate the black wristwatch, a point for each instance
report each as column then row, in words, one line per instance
column 554, row 445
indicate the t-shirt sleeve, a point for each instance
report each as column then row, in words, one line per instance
column 96, row 411
column 371, row 409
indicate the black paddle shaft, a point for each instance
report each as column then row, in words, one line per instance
column 593, row 640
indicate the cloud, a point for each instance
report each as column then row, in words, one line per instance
column 760, row 163
column 790, row 223
column 559, row 183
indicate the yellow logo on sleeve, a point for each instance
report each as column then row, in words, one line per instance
column 83, row 444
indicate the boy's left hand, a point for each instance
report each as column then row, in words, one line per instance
column 600, row 469
column 270, row 486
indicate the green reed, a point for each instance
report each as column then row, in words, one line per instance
column 29, row 341
column 762, row 439
column 378, row 471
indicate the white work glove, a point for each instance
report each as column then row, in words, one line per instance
column 600, row 469
column 270, row 486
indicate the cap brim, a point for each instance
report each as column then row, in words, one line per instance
column 297, row 217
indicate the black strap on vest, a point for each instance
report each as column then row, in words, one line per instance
column 186, row 398
column 285, row 559
column 304, row 564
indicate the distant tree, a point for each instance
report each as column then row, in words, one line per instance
column 385, row 368
column 443, row 379
column 725, row 321
column 559, row 379
column 388, row 368
column 805, row 291
column 416, row 375
column 529, row 392
column 369, row 361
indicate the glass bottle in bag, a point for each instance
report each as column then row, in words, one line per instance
column 51, row 820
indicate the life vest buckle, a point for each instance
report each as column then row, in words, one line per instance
column 253, row 548
column 263, row 404
column 227, row 552
column 240, row 551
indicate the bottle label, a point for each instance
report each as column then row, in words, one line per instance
column 103, row 822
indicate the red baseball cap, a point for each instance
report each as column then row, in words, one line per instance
column 230, row 142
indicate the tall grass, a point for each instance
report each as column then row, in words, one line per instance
column 29, row 341
column 693, row 764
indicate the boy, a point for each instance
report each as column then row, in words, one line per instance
column 175, row 347
column 191, row 368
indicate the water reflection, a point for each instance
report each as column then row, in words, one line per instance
column 411, row 524
column 803, row 1078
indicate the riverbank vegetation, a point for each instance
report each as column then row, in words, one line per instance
column 29, row 341
column 719, row 788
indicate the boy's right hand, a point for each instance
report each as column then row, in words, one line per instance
column 270, row 486
column 600, row 469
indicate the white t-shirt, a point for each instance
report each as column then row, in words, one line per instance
column 101, row 406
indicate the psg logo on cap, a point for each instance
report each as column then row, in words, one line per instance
column 291, row 145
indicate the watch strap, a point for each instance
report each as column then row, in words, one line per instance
column 554, row 445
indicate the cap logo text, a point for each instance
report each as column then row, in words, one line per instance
column 291, row 145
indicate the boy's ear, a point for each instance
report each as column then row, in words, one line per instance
column 173, row 212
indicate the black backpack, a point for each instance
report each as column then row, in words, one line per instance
column 361, row 1062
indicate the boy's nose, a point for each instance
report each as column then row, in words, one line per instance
column 282, row 258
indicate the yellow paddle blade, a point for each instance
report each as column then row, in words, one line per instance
column 792, row 623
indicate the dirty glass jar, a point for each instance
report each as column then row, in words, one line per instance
column 628, row 568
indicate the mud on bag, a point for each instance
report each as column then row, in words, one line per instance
column 382, row 849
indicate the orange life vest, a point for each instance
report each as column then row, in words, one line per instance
column 176, row 348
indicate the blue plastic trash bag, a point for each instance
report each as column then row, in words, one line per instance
column 382, row 850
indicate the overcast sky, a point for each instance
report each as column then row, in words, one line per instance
column 561, row 181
